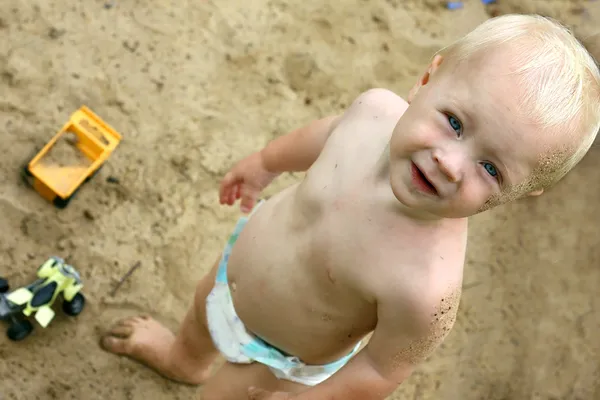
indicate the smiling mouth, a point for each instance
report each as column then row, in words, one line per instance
column 421, row 181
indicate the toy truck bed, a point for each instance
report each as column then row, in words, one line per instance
column 72, row 156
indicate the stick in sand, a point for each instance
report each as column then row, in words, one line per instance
column 124, row 278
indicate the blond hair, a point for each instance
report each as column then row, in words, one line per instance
column 559, row 79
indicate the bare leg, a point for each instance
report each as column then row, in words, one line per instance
column 186, row 357
column 232, row 382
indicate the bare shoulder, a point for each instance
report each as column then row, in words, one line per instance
column 373, row 114
column 428, row 313
column 378, row 101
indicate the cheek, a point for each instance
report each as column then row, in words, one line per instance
column 417, row 130
column 476, row 195
column 416, row 135
column 427, row 130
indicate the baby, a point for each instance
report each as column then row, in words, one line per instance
column 339, row 286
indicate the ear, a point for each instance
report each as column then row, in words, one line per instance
column 424, row 79
column 536, row 192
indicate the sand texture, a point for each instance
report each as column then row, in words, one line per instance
column 195, row 85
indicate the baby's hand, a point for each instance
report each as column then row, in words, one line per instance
column 245, row 180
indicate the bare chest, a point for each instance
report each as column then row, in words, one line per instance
column 368, row 249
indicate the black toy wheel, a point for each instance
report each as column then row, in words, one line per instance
column 93, row 174
column 75, row 306
column 19, row 330
column 4, row 286
column 59, row 202
column 25, row 172
column 27, row 176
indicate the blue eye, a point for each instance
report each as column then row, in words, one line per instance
column 455, row 124
column 490, row 169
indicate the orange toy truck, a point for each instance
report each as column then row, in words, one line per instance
column 71, row 157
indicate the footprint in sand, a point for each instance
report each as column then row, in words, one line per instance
column 304, row 74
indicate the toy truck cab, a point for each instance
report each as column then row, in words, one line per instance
column 55, row 278
column 71, row 157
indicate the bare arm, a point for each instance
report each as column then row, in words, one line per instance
column 298, row 150
column 404, row 337
column 295, row 151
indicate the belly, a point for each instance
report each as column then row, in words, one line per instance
column 285, row 294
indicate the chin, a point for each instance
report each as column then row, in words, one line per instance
column 404, row 196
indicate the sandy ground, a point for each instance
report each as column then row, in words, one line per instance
column 194, row 86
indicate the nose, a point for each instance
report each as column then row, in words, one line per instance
column 449, row 162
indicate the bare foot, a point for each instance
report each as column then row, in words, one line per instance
column 146, row 340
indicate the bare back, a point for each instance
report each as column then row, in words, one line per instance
column 309, row 271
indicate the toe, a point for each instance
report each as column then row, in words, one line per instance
column 121, row 331
column 115, row 345
column 130, row 322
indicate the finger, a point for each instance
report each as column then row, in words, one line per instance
column 226, row 195
column 248, row 198
column 231, row 195
column 226, row 183
column 222, row 190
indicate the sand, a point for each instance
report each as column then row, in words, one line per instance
column 193, row 86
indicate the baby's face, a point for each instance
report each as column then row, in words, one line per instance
column 461, row 147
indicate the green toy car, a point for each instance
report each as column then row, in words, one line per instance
column 55, row 278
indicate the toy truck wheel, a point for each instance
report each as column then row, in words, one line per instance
column 60, row 202
column 19, row 330
column 27, row 176
column 93, row 174
column 26, row 172
column 75, row 306
column 4, row 286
